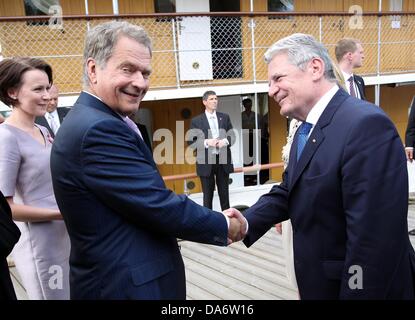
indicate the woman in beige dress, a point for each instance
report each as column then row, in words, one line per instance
column 42, row 253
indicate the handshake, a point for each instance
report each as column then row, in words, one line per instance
column 237, row 225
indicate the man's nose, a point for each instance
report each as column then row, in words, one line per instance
column 139, row 80
column 273, row 89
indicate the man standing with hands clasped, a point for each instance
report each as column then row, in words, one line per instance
column 345, row 188
column 122, row 220
column 212, row 136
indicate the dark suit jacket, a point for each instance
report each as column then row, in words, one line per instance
column 410, row 129
column 347, row 199
column 360, row 85
column 122, row 220
column 9, row 235
column 200, row 131
column 62, row 112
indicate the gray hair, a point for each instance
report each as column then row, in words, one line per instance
column 101, row 40
column 300, row 49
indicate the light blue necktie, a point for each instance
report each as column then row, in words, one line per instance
column 303, row 132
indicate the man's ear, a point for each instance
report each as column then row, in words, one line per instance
column 317, row 68
column 91, row 70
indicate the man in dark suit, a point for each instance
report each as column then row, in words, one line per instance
column 410, row 140
column 212, row 136
column 345, row 188
column 54, row 115
column 122, row 220
column 9, row 235
column 350, row 55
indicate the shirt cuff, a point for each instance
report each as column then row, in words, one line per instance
column 206, row 143
column 225, row 141
column 409, row 148
column 227, row 219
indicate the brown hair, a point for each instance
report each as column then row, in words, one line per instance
column 11, row 73
column 344, row 46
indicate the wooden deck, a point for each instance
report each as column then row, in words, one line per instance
column 236, row 272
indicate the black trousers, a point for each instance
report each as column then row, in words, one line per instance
column 222, row 183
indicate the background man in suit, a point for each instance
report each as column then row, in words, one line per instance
column 350, row 55
column 212, row 138
column 54, row 115
column 345, row 187
column 122, row 220
column 410, row 140
column 9, row 235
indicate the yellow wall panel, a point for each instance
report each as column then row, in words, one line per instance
column 11, row 8
column 100, row 7
column 395, row 102
column 72, row 7
column 134, row 6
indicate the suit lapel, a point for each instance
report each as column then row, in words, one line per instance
column 43, row 122
column 316, row 138
column 360, row 87
column 205, row 125
column 60, row 115
column 313, row 142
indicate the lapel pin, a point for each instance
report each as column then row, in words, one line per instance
column 314, row 140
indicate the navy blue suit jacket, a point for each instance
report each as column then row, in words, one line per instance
column 360, row 85
column 347, row 199
column 122, row 220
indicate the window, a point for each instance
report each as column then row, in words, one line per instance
column 39, row 8
column 280, row 6
column 165, row 6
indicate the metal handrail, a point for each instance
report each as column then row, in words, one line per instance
column 253, row 168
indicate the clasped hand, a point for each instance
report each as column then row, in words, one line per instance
column 237, row 225
column 217, row 143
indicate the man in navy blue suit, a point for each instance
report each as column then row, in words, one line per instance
column 122, row 220
column 345, row 188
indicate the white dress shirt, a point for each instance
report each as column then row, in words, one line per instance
column 53, row 120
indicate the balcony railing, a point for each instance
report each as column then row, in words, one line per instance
column 212, row 49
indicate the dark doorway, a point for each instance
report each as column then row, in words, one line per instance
column 226, row 40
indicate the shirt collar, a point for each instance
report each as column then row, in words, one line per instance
column 91, row 94
column 54, row 112
column 321, row 105
column 208, row 114
column 347, row 75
